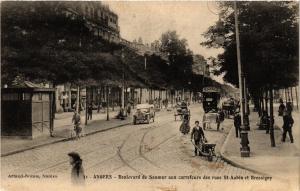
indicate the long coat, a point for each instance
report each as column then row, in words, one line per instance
column 77, row 173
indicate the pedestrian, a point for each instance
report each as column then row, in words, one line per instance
column 90, row 112
column 237, row 124
column 281, row 107
column 220, row 118
column 288, row 122
column 77, row 121
column 198, row 136
column 77, row 172
column 289, row 107
column 128, row 110
column 121, row 114
column 185, row 125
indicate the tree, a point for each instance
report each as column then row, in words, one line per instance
column 269, row 46
column 268, row 35
column 42, row 43
column 180, row 58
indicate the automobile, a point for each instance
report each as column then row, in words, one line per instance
column 210, row 119
column 144, row 114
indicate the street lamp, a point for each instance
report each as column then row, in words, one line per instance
column 123, row 81
column 245, row 149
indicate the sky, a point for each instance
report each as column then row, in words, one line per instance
column 149, row 19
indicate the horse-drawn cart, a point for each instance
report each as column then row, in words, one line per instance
column 181, row 110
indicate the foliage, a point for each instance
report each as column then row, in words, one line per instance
column 269, row 43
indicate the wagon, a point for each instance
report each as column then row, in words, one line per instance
column 181, row 109
column 206, row 149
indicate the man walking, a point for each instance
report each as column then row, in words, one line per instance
column 281, row 108
column 237, row 124
column 90, row 112
column 198, row 136
column 77, row 121
column 288, row 122
column 220, row 118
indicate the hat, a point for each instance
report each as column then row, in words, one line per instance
column 75, row 156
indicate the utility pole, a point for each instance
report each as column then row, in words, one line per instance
column 123, row 82
column 245, row 149
column 246, row 122
column 86, row 105
column 77, row 99
column 107, row 102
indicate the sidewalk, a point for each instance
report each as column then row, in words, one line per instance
column 280, row 162
column 62, row 131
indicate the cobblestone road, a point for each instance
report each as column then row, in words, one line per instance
column 152, row 150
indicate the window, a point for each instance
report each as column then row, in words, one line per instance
column 86, row 10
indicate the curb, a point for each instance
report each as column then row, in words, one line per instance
column 235, row 164
column 60, row 140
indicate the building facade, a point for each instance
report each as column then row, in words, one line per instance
column 100, row 20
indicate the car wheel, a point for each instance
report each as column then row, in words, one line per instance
column 134, row 121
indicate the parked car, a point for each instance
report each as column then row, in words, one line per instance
column 144, row 113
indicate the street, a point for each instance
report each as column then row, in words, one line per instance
column 157, row 150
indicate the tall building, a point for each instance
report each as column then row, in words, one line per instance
column 98, row 18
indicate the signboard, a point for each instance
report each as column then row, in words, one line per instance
column 211, row 89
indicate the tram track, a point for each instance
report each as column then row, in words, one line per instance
column 86, row 154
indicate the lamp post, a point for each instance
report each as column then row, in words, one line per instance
column 245, row 149
column 123, row 82
column 107, row 102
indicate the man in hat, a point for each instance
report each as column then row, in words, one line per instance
column 237, row 124
column 288, row 122
column 198, row 136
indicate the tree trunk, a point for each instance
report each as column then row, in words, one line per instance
column 107, row 103
column 78, row 99
column 286, row 98
column 141, row 95
column 262, row 106
column 266, row 101
column 52, row 113
column 291, row 88
column 86, row 104
column 271, row 118
column 296, row 91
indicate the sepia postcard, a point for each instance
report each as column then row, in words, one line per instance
column 150, row 95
